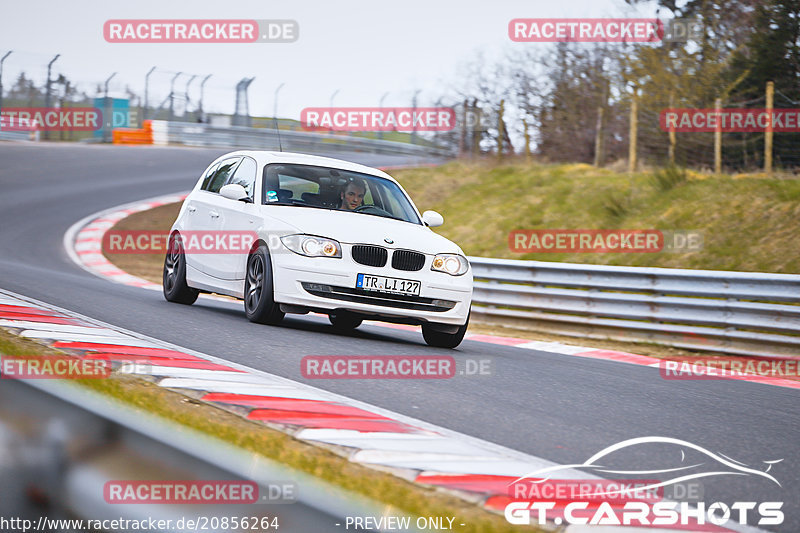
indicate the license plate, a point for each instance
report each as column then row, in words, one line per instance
column 383, row 284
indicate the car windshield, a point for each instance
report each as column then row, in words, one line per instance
column 336, row 189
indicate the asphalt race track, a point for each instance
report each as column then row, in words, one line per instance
column 553, row 406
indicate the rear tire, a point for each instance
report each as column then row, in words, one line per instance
column 440, row 339
column 259, row 302
column 173, row 280
column 344, row 321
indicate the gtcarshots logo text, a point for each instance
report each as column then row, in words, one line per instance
column 632, row 502
column 644, row 514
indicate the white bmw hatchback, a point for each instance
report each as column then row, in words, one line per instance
column 325, row 236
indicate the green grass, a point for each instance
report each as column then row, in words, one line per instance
column 749, row 222
column 669, row 177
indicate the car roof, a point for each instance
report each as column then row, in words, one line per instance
column 264, row 157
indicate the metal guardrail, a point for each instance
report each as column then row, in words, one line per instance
column 15, row 136
column 190, row 134
column 732, row 312
column 62, row 443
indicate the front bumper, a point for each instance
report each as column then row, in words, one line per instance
column 327, row 284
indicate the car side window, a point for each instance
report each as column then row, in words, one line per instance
column 209, row 174
column 225, row 170
column 245, row 176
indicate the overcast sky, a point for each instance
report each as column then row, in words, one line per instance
column 363, row 48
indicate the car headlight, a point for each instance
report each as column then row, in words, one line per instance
column 312, row 246
column 453, row 264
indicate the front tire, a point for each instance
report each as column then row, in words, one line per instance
column 259, row 302
column 439, row 339
column 173, row 280
column 344, row 321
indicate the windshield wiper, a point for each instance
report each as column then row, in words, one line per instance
column 387, row 215
column 298, row 203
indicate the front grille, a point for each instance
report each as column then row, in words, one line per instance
column 400, row 301
column 369, row 255
column 407, row 260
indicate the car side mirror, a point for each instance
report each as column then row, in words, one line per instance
column 234, row 191
column 432, row 219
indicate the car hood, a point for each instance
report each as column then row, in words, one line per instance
column 356, row 228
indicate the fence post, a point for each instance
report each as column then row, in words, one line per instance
column 527, row 140
column 768, row 131
column 462, row 140
column 718, row 138
column 598, row 138
column 673, row 138
column 477, row 128
column 599, row 144
column 500, row 130
column 47, row 92
column 632, row 133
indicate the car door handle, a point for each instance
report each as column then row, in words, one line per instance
column 214, row 214
column 191, row 209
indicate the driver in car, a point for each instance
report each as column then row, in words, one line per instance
column 353, row 195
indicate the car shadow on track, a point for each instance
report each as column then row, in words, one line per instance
column 310, row 323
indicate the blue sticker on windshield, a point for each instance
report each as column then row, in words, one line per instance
column 272, row 196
